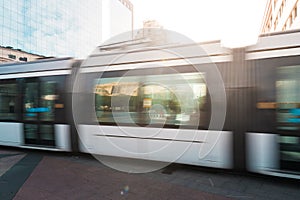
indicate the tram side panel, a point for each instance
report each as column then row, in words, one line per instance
column 70, row 96
column 260, row 138
column 62, row 125
column 240, row 95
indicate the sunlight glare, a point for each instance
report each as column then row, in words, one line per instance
column 235, row 22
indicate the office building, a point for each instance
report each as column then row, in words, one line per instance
column 281, row 15
column 62, row 28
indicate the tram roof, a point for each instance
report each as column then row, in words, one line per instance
column 37, row 65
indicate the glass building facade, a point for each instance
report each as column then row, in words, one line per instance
column 62, row 28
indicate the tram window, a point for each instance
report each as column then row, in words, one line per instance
column 289, row 148
column 39, row 100
column 8, row 100
column 31, row 132
column 288, row 98
column 173, row 99
column 47, row 100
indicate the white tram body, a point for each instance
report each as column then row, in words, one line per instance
column 167, row 141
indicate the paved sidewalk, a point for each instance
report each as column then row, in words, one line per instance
column 62, row 179
column 44, row 175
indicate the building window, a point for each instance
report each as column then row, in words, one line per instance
column 11, row 56
column 280, row 11
column 275, row 23
column 294, row 13
column 284, row 27
column 290, row 20
column 23, row 59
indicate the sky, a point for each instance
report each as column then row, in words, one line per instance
column 48, row 28
column 235, row 22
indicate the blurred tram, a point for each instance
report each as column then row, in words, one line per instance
column 198, row 104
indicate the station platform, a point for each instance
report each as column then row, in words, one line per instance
column 46, row 175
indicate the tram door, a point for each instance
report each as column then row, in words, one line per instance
column 39, row 112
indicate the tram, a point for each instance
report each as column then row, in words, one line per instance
column 197, row 104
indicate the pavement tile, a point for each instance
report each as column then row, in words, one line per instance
column 65, row 179
column 37, row 194
column 7, row 162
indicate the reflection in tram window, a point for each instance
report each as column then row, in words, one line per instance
column 8, row 99
column 288, row 98
column 40, row 101
column 173, row 99
column 31, row 101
